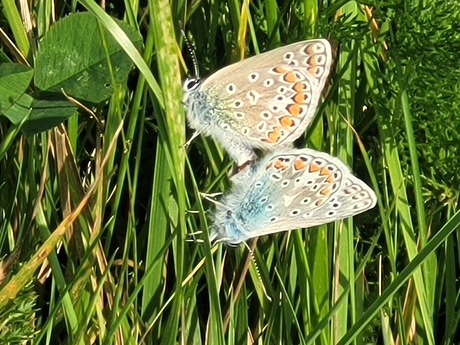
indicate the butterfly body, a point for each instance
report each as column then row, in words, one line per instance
column 287, row 190
column 263, row 102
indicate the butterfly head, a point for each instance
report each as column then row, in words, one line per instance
column 197, row 104
column 228, row 229
column 191, row 84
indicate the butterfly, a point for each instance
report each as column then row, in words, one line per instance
column 297, row 188
column 263, row 102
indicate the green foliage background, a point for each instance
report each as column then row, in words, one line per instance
column 104, row 230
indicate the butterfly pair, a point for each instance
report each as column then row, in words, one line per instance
column 266, row 102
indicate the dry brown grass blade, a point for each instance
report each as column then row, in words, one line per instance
column 25, row 274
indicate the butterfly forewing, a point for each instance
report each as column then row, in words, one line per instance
column 300, row 184
column 271, row 98
column 297, row 189
column 266, row 100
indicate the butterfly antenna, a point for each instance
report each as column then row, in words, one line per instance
column 191, row 48
column 256, row 267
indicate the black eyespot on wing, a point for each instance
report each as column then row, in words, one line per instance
column 294, row 212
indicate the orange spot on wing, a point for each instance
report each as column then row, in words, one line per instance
column 295, row 110
column 326, row 191
column 314, row 167
column 301, row 98
column 325, row 171
column 290, row 77
column 309, row 50
column 300, row 164
column 287, row 122
column 274, row 136
column 300, row 87
column 313, row 60
column 316, row 71
column 330, row 179
column 319, row 202
column 279, row 69
column 280, row 165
